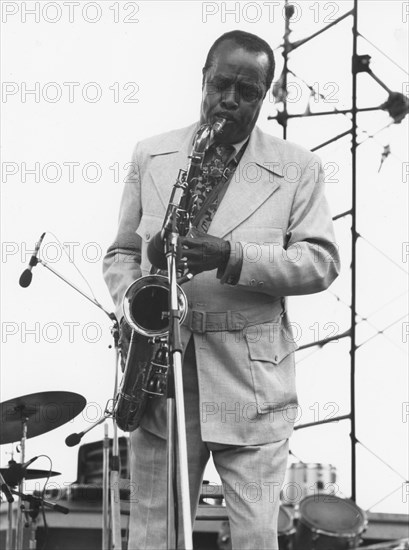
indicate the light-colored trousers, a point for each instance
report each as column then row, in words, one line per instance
column 252, row 477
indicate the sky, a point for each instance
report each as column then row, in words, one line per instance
column 82, row 82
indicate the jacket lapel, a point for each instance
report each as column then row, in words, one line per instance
column 256, row 178
column 171, row 156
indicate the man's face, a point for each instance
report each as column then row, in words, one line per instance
column 234, row 88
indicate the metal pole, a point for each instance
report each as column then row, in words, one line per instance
column 19, row 522
column 353, row 249
column 115, row 493
column 105, row 492
column 178, row 434
column 286, row 49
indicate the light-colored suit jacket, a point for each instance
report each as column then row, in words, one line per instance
column 276, row 209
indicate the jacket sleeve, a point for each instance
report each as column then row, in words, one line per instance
column 121, row 264
column 307, row 260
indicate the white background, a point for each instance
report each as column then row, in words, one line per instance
column 157, row 57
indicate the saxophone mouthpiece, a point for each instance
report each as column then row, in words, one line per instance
column 218, row 126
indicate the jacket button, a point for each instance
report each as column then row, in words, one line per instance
column 253, row 282
column 147, row 235
column 260, row 284
column 276, row 358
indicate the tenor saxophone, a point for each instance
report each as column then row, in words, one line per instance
column 144, row 333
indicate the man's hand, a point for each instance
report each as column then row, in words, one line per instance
column 203, row 252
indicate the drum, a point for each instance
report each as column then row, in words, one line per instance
column 329, row 523
column 305, row 479
column 285, row 528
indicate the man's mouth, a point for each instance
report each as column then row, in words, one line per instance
column 227, row 118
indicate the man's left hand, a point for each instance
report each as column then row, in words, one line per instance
column 203, row 252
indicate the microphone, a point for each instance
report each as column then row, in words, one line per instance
column 6, row 490
column 156, row 252
column 58, row 508
column 73, row 439
column 26, row 276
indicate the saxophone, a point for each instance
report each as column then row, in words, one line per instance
column 144, row 333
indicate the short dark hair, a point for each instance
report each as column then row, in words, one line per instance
column 249, row 42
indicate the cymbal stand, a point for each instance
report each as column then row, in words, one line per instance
column 105, row 489
column 175, row 403
column 114, row 474
column 7, row 493
column 31, row 522
column 20, row 507
column 32, row 513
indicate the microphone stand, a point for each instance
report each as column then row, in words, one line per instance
column 114, row 473
column 175, row 403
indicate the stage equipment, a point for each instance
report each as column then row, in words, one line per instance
column 397, row 106
column 15, row 473
column 27, row 275
column 303, row 479
column 111, row 516
column 38, row 413
column 29, row 416
column 329, row 522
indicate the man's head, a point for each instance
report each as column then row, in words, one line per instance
column 237, row 74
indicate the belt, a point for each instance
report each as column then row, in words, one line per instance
column 212, row 321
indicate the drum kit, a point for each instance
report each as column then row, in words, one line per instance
column 320, row 520
column 23, row 418
column 310, row 516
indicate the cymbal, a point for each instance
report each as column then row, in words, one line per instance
column 42, row 411
column 13, row 476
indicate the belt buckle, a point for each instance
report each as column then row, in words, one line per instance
column 196, row 315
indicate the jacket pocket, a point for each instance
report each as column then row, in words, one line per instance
column 272, row 366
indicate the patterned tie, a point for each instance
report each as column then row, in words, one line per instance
column 215, row 172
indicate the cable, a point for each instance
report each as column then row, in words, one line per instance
column 381, row 331
column 75, row 266
column 384, row 254
column 365, row 319
column 387, row 303
column 318, row 348
column 381, row 460
column 383, row 53
column 383, row 334
column 384, row 498
column 362, row 319
column 295, row 456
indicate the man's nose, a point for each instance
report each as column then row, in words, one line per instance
column 230, row 99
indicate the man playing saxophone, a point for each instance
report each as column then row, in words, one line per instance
column 262, row 231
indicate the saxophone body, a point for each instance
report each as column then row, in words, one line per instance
column 144, row 332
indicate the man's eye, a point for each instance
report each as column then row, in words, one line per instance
column 249, row 92
column 218, row 85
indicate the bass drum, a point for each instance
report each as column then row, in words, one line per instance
column 329, row 523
